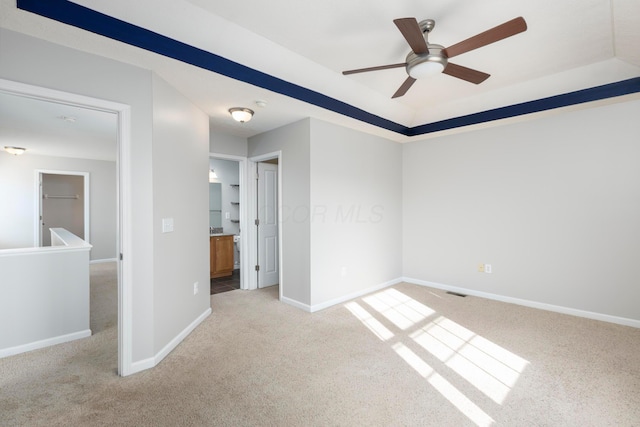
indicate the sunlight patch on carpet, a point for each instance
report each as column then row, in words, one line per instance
column 369, row 321
column 485, row 365
column 446, row 389
column 401, row 310
column 488, row 367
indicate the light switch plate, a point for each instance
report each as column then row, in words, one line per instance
column 167, row 225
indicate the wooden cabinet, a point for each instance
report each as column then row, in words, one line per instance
column 221, row 254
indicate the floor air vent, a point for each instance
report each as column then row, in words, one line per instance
column 456, row 294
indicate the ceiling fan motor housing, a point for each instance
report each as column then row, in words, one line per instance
column 426, row 64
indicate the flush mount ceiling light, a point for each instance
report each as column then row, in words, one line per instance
column 241, row 115
column 16, row 151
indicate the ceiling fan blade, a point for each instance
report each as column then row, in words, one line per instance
column 380, row 67
column 413, row 34
column 493, row 35
column 464, row 73
column 404, row 88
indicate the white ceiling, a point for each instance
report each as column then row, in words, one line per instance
column 53, row 129
column 569, row 45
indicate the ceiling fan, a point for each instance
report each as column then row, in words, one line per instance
column 426, row 58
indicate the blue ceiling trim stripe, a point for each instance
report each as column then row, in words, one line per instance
column 96, row 22
column 610, row 90
column 104, row 25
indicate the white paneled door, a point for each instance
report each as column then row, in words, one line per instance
column 267, row 225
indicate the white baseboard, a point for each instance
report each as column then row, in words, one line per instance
column 296, row 304
column 141, row 365
column 151, row 362
column 527, row 303
column 6, row 352
column 101, row 261
column 353, row 295
column 181, row 336
column 317, row 307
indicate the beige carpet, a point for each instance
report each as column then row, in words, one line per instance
column 406, row 356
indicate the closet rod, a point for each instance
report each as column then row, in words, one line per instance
column 49, row 196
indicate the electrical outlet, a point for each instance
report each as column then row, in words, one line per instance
column 227, row 215
column 480, row 268
column 487, row 268
column 195, row 288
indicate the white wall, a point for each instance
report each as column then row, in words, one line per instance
column 44, row 294
column 356, row 212
column 553, row 204
column 180, row 192
column 164, row 267
column 294, row 141
column 341, row 210
column 33, row 61
column 18, row 192
column 221, row 143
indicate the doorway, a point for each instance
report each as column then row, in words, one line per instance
column 63, row 201
column 274, row 264
column 248, row 207
column 123, row 186
column 228, row 216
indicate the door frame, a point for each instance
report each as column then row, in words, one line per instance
column 245, row 270
column 266, row 204
column 124, row 175
column 38, row 232
column 253, row 208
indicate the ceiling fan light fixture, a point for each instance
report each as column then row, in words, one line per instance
column 241, row 115
column 427, row 68
column 429, row 64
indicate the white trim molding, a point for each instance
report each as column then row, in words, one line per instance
column 252, row 234
column 527, row 303
column 353, row 295
column 151, row 362
column 103, row 261
column 11, row 351
column 181, row 336
column 296, row 304
column 125, row 243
